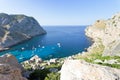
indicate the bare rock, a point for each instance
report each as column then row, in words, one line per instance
column 17, row 28
column 35, row 59
column 112, row 61
column 53, row 60
column 33, row 63
column 81, row 70
column 107, row 32
column 98, row 61
column 11, row 60
column 10, row 69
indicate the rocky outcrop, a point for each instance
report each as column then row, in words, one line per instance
column 106, row 32
column 10, row 69
column 17, row 28
column 33, row 63
column 81, row 70
column 11, row 60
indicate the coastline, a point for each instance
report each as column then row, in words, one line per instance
column 91, row 59
column 23, row 41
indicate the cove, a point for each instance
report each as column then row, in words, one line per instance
column 60, row 41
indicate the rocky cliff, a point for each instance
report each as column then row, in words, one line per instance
column 17, row 28
column 10, row 69
column 107, row 32
column 104, row 51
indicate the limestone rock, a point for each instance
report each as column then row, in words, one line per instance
column 81, row 70
column 10, row 69
column 17, row 28
column 108, row 33
column 112, row 61
column 4, row 68
column 98, row 61
column 11, row 60
column 35, row 59
column 33, row 63
column 53, row 60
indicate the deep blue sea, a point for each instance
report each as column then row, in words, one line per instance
column 60, row 41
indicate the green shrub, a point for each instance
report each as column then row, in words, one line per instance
column 53, row 76
column 112, row 65
column 45, row 74
column 39, row 74
column 103, row 58
column 57, row 65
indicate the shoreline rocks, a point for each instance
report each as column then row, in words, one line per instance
column 15, row 29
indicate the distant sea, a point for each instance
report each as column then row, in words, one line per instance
column 60, row 41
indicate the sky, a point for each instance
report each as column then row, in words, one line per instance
column 62, row 12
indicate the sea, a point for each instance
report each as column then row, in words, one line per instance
column 59, row 42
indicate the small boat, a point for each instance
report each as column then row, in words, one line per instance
column 43, row 46
column 21, row 57
column 38, row 45
column 59, row 45
column 22, row 48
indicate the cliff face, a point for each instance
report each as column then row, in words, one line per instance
column 17, row 28
column 108, row 33
column 106, row 37
column 10, row 69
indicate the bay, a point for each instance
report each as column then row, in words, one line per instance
column 60, row 41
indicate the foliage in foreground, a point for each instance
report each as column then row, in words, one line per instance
column 45, row 74
column 96, row 54
column 94, row 57
column 53, row 76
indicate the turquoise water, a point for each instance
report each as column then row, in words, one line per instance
column 60, row 41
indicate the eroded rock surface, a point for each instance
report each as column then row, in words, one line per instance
column 107, row 32
column 10, row 69
column 81, row 70
column 17, row 28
